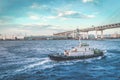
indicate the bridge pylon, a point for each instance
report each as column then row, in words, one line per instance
column 96, row 35
column 101, row 34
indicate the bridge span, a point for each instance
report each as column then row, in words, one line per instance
column 76, row 33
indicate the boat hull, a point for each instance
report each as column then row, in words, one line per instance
column 58, row 57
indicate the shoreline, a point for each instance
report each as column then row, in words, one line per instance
column 62, row 39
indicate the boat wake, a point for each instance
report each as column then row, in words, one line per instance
column 39, row 64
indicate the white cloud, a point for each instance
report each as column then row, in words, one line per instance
column 52, row 17
column 38, row 6
column 71, row 14
column 90, row 16
column 85, row 1
column 66, row 13
column 34, row 17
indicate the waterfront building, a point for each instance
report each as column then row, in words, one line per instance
column 46, row 38
column 115, row 35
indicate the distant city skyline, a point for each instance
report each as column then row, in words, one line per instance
column 45, row 17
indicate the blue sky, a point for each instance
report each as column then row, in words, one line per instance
column 45, row 17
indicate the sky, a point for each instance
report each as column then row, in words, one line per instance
column 45, row 17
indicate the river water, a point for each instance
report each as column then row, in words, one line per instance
column 28, row 60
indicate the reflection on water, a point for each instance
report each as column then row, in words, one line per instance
column 28, row 60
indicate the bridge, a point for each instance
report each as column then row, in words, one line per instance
column 76, row 33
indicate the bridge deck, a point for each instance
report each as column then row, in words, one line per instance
column 98, row 28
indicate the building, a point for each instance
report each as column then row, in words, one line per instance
column 116, row 35
column 46, row 38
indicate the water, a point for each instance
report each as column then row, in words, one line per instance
column 28, row 60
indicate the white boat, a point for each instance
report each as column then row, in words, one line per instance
column 83, row 51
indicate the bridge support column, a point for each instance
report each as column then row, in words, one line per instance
column 87, row 35
column 74, row 35
column 101, row 34
column 84, row 36
column 96, row 36
column 65, row 34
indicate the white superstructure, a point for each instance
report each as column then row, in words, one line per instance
column 82, row 49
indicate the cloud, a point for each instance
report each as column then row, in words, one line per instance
column 43, row 9
column 38, row 6
column 34, row 6
column 30, row 29
column 90, row 16
column 95, row 2
column 6, row 19
column 72, row 14
column 40, row 26
column 85, row 1
column 44, row 28
column 34, row 17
